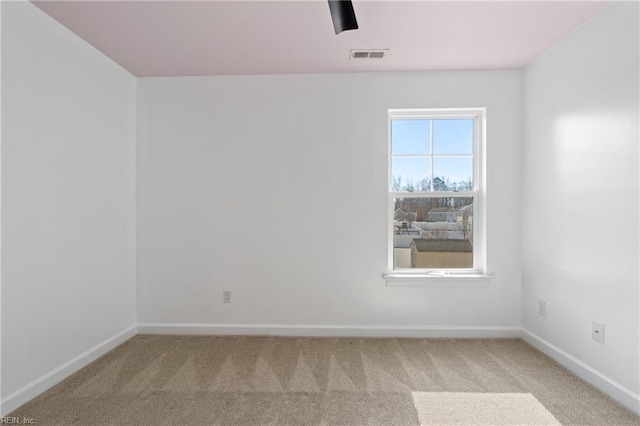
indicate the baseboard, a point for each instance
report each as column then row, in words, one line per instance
column 47, row 381
column 330, row 330
column 615, row 390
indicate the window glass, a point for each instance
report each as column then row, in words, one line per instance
column 433, row 233
column 410, row 174
column 410, row 137
column 453, row 136
column 455, row 172
column 433, row 154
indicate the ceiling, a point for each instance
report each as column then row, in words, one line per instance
column 192, row 38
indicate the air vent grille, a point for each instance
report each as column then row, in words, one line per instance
column 369, row 53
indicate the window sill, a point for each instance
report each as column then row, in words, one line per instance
column 395, row 279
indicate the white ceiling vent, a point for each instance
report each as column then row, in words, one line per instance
column 368, row 53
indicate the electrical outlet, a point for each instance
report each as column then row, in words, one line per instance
column 542, row 308
column 597, row 332
column 226, row 296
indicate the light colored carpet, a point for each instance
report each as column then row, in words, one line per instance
column 206, row 380
column 465, row 408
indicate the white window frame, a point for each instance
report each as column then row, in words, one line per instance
column 452, row 277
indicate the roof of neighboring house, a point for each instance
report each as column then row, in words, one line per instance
column 400, row 214
column 409, row 230
column 465, row 208
column 442, row 209
column 451, row 209
column 442, row 245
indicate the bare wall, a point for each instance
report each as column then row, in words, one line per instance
column 580, row 187
column 274, row 187
column 68, row 200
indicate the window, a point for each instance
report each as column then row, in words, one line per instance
column 436, row 192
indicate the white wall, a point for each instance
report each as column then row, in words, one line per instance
column 68, row 199
column 274, row 187
column 580, row 204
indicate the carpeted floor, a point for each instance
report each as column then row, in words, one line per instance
column 203, row 380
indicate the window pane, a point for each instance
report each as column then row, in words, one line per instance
column 453, row 174
column 410, row 137
column 433, row 233
column 410, row 174
column 453, row 136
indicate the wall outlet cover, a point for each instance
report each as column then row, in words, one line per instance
column 542, row 308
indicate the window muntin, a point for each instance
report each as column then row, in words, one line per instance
column 434, row 190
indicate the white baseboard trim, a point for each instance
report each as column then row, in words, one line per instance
column 330, row 330
column 615, row 390
column 55, row 376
